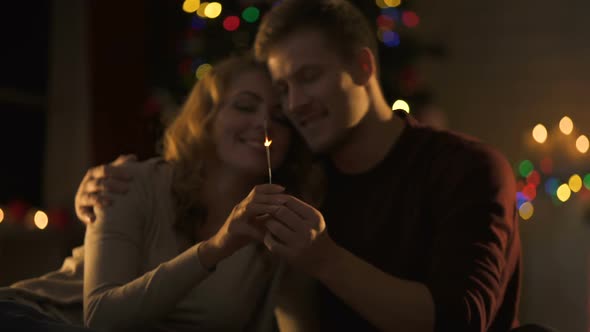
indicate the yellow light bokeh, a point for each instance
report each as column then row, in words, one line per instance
column 202, row 70
column 564, row 192
column 1, row 215
column 526, row 210
column 400, row 105
column 213, row 10
column 575, row 183
column 381, row 4
column 201, row 10
column 41, row 219
column 540, row 133
column 392, row 3
column 191, row 6
column 566, row 125
column 582, row 144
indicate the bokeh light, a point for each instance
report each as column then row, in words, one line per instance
column 392, row 3
column 575, row 183
column 41, row 220
column 526, row 211
column 381, row 3
column 564, row 192
column 534, row 178
column 201, row 10
column 410, row 19
column 231, row 23
column 198, row 23
column 520, row 185
column 251, row 14
column 390, row 38
column 202, row 70
column 530, row 191
column 1, row 215
column 385, row 22
column 551, row 186
column 520, row 199
column 566, row 125
column 191, row 6
column 540, row 133
column 401, row 105
column 392, row 12
column 213, row 10
column 582, row 144
column 587, row 181
column 525, row 168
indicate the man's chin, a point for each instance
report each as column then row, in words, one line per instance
column 323, row 145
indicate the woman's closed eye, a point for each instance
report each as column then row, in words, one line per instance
column 247, row 106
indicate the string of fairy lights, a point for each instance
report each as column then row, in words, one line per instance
column 561, row 188
column 35, row 219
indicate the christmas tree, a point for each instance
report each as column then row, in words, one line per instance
column 208, row 31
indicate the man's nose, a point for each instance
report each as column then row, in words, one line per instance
column 298, row 98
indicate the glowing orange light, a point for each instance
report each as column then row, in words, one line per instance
column 213, row 10
column 566, row 125
column 191, row 6
column 1, row 215
column 564, row 192
column 526, row 211
column 392, row 3
column 582, row 144
column 267, row 142
column 540, row 133
column 41, row 219
column 575, row 183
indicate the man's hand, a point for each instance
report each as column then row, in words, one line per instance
column 298, row 233
column 98, row 183
column 243, row 225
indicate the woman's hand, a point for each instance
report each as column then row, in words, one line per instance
column 244, row 224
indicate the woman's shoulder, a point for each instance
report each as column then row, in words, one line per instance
column 150, row 168
column 149, row 180
column 149, row 175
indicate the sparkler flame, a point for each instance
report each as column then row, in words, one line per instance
column 267, row 142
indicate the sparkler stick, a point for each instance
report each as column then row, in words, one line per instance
column 267, row 144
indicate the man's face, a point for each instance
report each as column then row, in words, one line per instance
column 317, row 89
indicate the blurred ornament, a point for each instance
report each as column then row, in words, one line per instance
column 17, row 210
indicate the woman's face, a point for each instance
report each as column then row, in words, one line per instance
column 238, row 128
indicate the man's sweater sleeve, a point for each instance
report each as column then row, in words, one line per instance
column 475, row 248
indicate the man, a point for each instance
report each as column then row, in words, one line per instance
column 418, row 231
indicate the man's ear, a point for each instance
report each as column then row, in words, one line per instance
column 364, row 66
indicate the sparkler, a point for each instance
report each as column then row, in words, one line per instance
column 267, row 144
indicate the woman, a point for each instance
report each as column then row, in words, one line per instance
column 181, row 250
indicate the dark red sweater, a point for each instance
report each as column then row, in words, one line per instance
column 440, row 209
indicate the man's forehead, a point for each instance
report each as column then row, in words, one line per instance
column 280, row 64
column 283, row 64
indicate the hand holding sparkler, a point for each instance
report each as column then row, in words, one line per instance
column 267, row 144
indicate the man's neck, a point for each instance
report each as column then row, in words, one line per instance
column 370, row 141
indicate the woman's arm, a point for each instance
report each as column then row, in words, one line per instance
column 116, row 293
